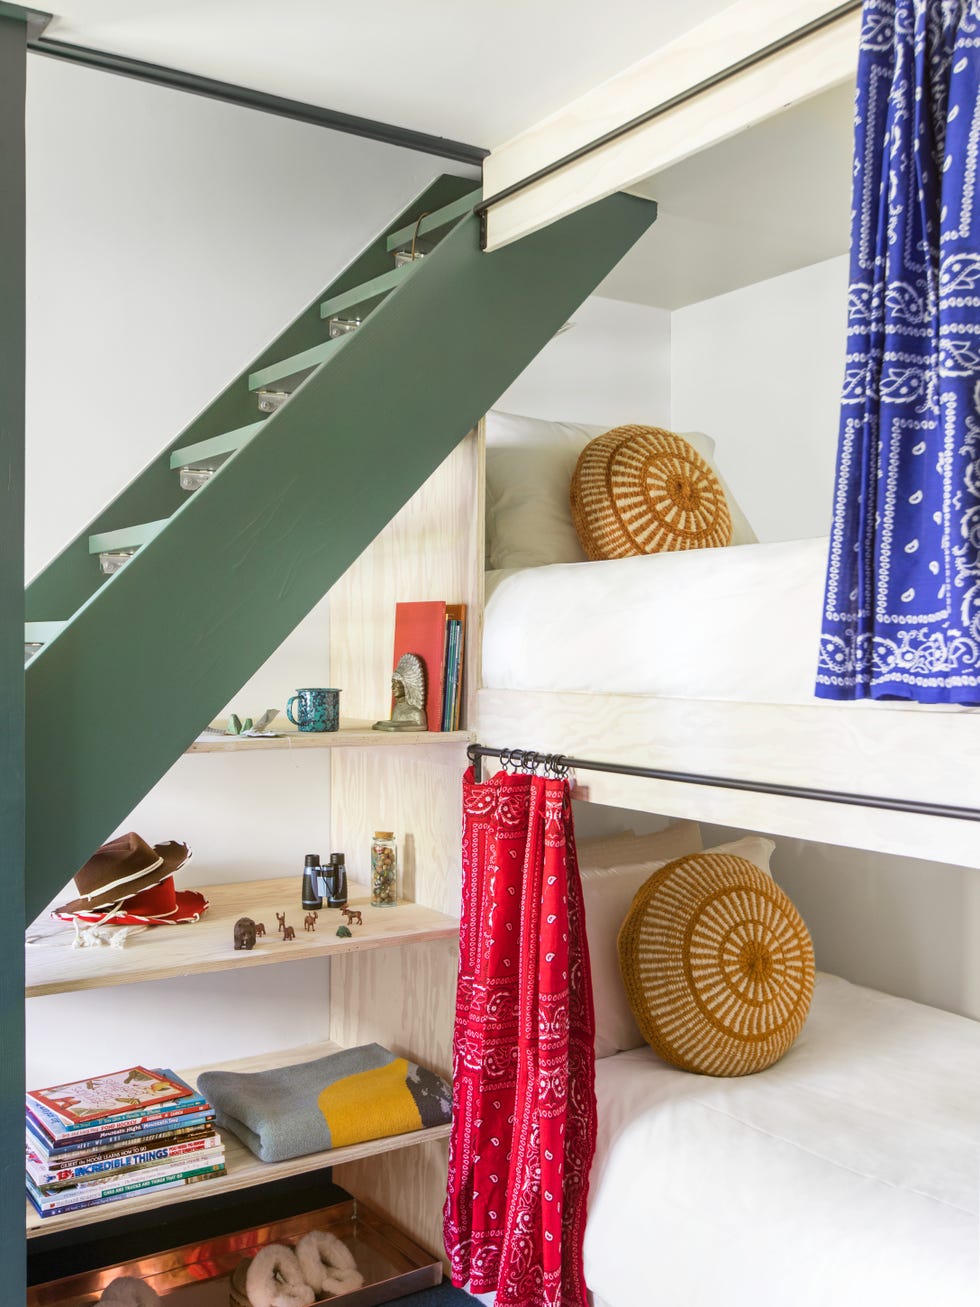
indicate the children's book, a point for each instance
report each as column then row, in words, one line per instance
column 105, row 1097
column 54, row 1127
column 45, row 1207
column 45, row 1176
column 426, row 629
column 133, row 1135
column 145, row 1177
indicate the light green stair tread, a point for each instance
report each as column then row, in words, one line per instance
column 42, row 632
column 433, row 221
column 298, row 363
column 129, row 537
column 217, row 447
column 368, row 291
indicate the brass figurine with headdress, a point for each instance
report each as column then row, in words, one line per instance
column 408, row 692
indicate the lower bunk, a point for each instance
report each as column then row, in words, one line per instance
column 847, row 1173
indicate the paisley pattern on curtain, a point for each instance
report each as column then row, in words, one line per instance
column 524, row 1114
column 902, row 605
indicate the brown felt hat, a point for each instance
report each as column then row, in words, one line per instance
column 121, row 868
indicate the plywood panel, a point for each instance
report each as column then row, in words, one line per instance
column 54, row 966
column 433, row 549
column 820, row 61
column 921, row 755
column 408, row 1188
column 351, row 735
column 416, row 794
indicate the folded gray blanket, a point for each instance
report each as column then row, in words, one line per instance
column 344, row 1098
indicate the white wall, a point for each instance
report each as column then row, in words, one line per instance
column 760, row 369
column 611, row 367
column 169, row 238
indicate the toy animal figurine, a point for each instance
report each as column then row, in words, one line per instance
column 353, row 917
column 288, row 933
column 343, row 932
column 245, row 933
column 281, row 918
column 309, row 921
column 259, row 929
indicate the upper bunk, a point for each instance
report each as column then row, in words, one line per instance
column 702, row 664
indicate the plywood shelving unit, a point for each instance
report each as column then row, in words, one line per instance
column 162, row 952
column 242, row 1168
column 410, row 781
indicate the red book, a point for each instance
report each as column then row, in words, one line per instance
column 420, row 628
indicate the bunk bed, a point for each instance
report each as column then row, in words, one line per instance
column 682, row 684
column 700, row 665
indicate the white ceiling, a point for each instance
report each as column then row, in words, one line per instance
column 763, row 202
column 477, row 73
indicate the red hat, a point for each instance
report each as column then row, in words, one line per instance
column 128, row 882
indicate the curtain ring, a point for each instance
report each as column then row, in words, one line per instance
column 529, row 760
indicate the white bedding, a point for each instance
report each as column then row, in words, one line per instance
column 737, row 624
column 847, row 1174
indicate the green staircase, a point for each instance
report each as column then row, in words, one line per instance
column 125, row 668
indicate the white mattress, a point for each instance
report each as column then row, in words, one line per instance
column 723, row 624
column 846, row 1174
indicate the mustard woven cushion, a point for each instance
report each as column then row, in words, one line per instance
column 643, row 490
column 717, row 965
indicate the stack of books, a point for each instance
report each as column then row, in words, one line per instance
column 112, row 1136
column 433, row 631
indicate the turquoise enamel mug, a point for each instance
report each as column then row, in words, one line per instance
column 319, row 710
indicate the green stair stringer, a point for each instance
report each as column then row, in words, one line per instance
column 147, row 661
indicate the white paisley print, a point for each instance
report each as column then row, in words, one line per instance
column 902, row 606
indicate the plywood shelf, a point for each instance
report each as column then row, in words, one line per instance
column 161, row 952
column 243, row 1168
column 352, row 735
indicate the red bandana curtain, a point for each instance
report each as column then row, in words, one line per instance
column 523, row 1064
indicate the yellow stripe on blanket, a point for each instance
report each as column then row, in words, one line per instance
column 370, row 1105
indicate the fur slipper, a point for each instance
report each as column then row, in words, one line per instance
column 327, row 1264
column 127, row 1291
column 274, row 1279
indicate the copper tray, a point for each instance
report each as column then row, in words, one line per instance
column 198, row 1274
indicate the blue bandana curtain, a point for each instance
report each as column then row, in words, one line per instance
column 902, row 605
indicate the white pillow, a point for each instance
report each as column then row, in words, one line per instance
column 628, row 848
column 742, row 533
column 529, row 471
column 608, row 893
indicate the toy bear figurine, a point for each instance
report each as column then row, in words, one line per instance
column 245, row 933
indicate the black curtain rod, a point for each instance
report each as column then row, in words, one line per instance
column 529, row 760
column 732, row 70
column 246, row 97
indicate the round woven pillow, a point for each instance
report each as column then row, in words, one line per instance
column 717, row 965
column 643, row 490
